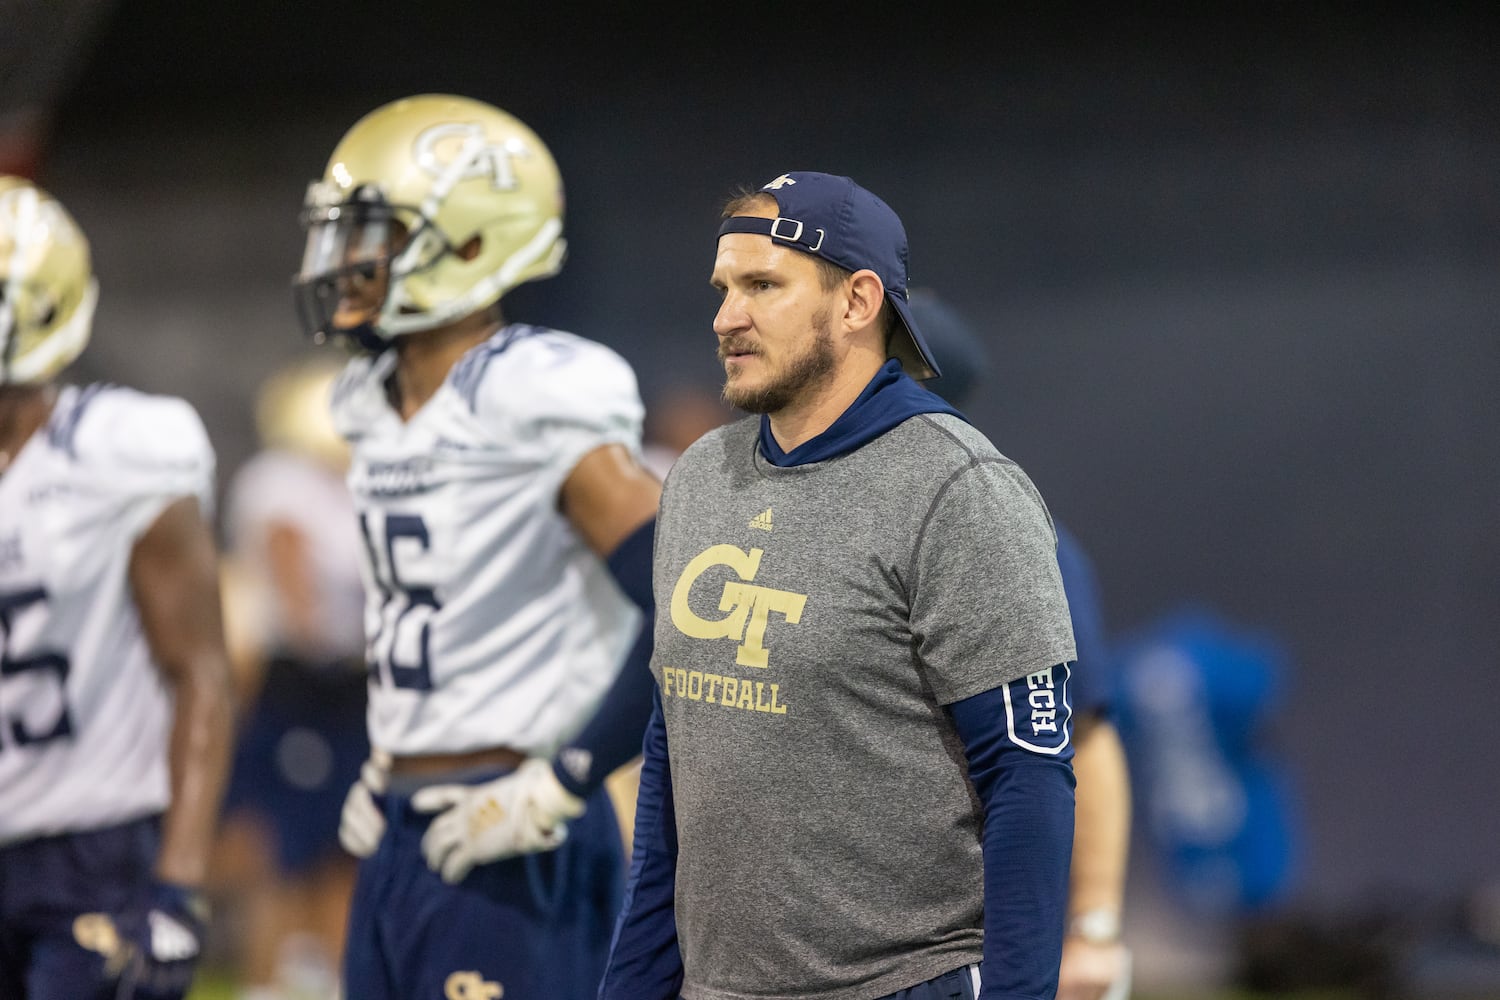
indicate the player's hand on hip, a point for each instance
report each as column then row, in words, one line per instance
column 521, row 813
column 362, row 823
column 160, row 944
column 1094, row 971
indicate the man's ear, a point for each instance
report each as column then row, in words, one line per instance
column 866, row 296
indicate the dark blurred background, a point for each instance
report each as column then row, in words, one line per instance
column 1238, row 266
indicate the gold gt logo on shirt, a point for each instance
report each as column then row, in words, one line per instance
column 748, row 607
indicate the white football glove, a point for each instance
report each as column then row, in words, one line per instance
column 524, row 812
column 362, row 824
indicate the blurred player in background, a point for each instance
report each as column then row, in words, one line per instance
column 675, row 418
column 299, row 602
column 115, row 697
column 507, row 525
column 1095, row 962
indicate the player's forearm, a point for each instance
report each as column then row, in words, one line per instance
column 199, row 750
column 1102, row 831
column 174, row 578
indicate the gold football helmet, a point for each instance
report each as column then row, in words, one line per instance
column 432, row 207
column 47, row 286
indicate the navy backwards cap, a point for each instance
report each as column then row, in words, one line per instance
column 834, row 218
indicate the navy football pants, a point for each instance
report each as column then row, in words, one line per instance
column 536, row 927
column 58, row 899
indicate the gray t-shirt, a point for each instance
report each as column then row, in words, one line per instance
column 811, row 622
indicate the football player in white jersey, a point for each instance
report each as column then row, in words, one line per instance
column 507, row 524
column 115, row 704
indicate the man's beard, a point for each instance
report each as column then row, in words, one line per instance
column 807, row 369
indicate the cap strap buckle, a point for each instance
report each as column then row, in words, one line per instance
column 795, row 236
column 780, row 229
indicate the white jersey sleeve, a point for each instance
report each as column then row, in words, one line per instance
column 84, row 715
column 555, row 398
column 150, row 450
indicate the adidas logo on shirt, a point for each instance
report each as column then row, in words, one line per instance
column 762, row 520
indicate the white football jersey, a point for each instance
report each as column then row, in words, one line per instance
column 488, row 621
column 280, row 486
column 84, row 714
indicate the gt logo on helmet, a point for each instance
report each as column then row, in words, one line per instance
column 490, row 159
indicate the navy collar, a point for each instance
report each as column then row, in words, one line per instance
column 891, row 398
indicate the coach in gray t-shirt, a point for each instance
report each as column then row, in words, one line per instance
column 856, row 781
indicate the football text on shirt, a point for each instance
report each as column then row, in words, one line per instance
column 748, row 609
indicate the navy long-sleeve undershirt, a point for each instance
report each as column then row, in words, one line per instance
column 644, row 961
column 1028, row 844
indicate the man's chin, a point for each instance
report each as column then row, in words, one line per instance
column 752, row 399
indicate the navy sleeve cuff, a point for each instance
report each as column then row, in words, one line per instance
column 630, row 565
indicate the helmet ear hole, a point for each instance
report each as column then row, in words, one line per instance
column 471, row 249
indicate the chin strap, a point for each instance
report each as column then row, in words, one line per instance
column 366, row 338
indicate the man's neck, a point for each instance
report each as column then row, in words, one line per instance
column 424, row 359
column 23, row 408
column 806, row 418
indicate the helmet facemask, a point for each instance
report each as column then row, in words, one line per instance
column 359, row 251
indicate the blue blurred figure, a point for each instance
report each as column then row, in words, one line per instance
column 1195, row 693
column 1095, row 962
